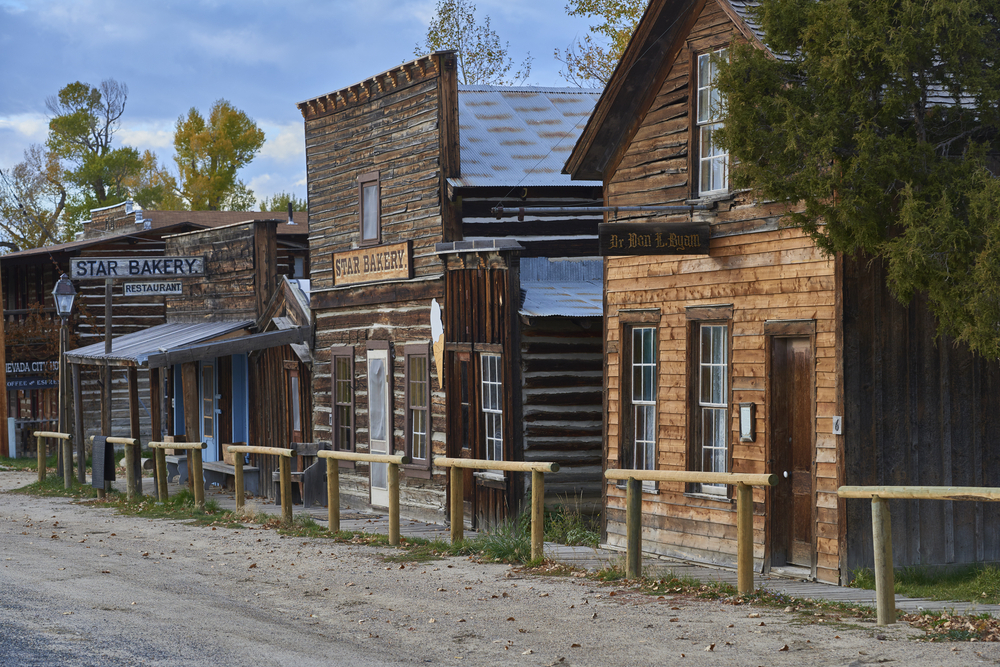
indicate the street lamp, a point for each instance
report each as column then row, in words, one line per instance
column 63, row 294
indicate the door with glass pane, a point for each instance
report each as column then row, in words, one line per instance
column 379, row 422
column 209, row 411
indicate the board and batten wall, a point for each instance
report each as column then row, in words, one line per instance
column 764, row 272
column 391, row 124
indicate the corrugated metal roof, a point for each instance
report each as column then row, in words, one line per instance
column 520, row 136
column 137, row 347
column 565, row 288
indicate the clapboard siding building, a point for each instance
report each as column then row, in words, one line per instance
column 417, row 285
column 762, row 354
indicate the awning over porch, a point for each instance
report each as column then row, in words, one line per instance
column 181, row 342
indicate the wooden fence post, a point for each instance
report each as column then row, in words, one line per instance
column 457, row 504
column 195, row 472
column 633, row 528
column 40, row 446
column 744, row 538
column 160, row 455
column 393, row 504
column 67, row 450
column 130, row 472
column 885, row 593
column 537, row 514
column 333, row 494
column 238, row 475
column 285, row 471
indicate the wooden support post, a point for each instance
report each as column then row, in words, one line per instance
column 65, row 446
column 633, row 528
column 537, row 514
column 393, row 504
column 285, row 472
column 333, row 494
column 238, row 475
column 134, row 432
column 67, row 450
column 195, row 473
column 81, row 445
column 155, row 415
column 130, row 472
column 40, row 446
column 744, row 538
column 189, row 392
column 161, row 474
column 457, row 503
column 885, row 592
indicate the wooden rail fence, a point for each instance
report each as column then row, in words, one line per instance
column 456, row 483
column 195, row 472
column 744, row 513
column 132, row 483
column 885, row 593
column 67, row 454
column 284, row 474
column 333, row 485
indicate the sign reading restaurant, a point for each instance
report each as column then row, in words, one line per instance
column 82, row 268
column 153, row 288
column 365, row 265
column 648, row 238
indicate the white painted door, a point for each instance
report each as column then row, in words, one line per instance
column 379, row 422
column 209, row 411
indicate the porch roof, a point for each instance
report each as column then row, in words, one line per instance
column 180, row 342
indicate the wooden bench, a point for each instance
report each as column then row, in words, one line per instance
column 221, row 473
column 310, row 483
column 177, row 466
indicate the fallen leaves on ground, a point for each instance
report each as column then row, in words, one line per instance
column 955, row 627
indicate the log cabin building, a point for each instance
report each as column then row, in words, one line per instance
column 440, row 329
column 232, row 362
column 757, row 352
column 122, row 230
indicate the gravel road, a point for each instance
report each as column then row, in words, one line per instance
column 81, row 585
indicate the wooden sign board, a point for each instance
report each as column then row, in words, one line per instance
column 365, row 265
column 86, row 268
column 654, row 238
column 175, row 288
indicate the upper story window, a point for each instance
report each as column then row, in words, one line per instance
column 369, row 206
column 713, row 162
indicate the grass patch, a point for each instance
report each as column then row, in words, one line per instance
column 53, row 487
column 26, row 464
column 944, row 626
column 971, row 583
column 566, row 524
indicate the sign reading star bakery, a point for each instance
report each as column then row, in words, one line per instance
column 83, row 268
column 372, row 264
column 649, row 238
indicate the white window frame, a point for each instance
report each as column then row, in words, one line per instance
column 713, row 162
column 642, row 400
column 492, row 406
column 713, row 401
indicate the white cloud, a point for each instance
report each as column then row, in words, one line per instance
column 284, row 143
column 152, row 135
column 31, row 126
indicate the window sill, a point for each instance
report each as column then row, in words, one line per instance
column 712, row 197
column 417, row 472
column 711, row 496
column 648, row 488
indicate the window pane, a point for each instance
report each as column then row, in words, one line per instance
column 369, row 212
column 296, row 417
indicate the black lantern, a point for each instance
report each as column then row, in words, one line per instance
column 64, row 293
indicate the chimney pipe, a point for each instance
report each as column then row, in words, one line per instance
column 291, row 217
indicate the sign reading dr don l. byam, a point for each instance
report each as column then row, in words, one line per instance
column 650, row 238
column 149, row 268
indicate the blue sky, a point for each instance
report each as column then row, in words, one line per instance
column 264, row 57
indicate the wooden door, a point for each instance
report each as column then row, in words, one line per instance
column 791, row 425
column 463, row 423
column 209, row 411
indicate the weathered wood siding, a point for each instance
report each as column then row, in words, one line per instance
column 561, row 373
column 764, row 273
column 392, row 124
column 921, row 412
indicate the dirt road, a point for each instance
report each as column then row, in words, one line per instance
column 83, row 586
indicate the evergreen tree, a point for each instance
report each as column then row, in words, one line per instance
column 877, row 122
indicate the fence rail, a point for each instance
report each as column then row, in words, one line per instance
column 333, row 485
column 195, row 473
column 885, row 593
column 284, row 473
column 456, row 483
column 744, row 513
column 67, row 447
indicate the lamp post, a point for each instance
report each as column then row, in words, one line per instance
column 63, row 294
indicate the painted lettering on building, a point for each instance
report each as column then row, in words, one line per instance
column 654, row 238
column 385, row 262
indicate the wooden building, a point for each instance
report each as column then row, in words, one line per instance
column 122, row 230
column 421, row 344
column 758, row 353
column 231, row 362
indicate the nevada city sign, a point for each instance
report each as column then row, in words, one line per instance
column 83, row 268
column 649, row 238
